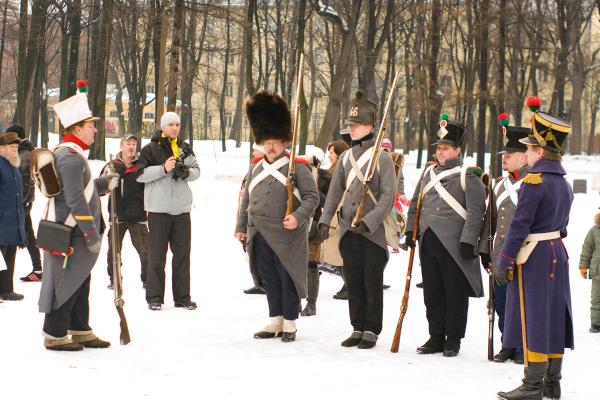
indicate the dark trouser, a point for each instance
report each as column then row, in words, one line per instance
column 364, row 262
column 445, row 289
column 138, row 232
column 175, row 231
column 73, row 315
column 282, row 295
column 6, row 276
column 34, row 252
column 500, row 306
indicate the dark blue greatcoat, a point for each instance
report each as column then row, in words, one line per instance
column 543, row 207
column 12, row 216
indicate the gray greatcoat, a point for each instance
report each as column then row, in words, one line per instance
column 501, row 216
column 263, row 210
column 383, row 187
column 450, row 228
column 59, row 284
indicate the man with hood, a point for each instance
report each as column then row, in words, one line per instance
column 276, row 243
column 166, row 165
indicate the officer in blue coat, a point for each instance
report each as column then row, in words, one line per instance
column 538, row 297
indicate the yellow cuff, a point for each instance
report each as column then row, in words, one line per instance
column 532, row 356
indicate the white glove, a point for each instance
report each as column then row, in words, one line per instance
column 113, row 180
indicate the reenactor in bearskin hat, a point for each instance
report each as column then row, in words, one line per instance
column 453, row 206
column 538, row 303
column 498, row 216
column 277, row 245
column 64, row 296
column 363, row 247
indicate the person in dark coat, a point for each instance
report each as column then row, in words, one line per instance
column 534, row 251
column 498, row 217
column 453, row 205
column 64, row 296
column 276, row 243
column 12, row 215
column 129, row 206
column 315, row 241
column 363, row 247
column 25, row 149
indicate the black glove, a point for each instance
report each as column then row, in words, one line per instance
column 324, row 231
column 467, row 251
column 409, row 240
column 486, row 260
column 361, row 228
column 500, row 276
column 181, row 171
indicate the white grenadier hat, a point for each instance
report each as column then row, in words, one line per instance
column 75, row 109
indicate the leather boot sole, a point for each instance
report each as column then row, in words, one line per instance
column 267, row 335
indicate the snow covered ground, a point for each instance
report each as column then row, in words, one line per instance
column 210, row 353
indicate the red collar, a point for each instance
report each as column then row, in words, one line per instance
column 67, row 137
column 516, row 175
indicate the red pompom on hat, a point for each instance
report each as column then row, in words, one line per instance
column 534, row 103
column 81, row 86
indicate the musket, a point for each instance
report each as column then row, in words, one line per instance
column 116, row 257
column 488, row 182
column 411, row 258
column 374, row 161
column 291, row 176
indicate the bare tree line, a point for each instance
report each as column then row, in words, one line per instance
column 471, row 59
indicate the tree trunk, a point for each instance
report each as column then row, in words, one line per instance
column 74, row 38
column 344, row 67
column 435, row 100
column 578, row 82
column 302, row 103
column 482, row 46
column 250, row 7
column 236, row 129
column 4, row 10
column 223, row 125
column 175, row 50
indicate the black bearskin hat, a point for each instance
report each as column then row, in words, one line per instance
column 269, row 117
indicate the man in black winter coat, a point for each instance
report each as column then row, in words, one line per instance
column 129, row 206
column 25, row 149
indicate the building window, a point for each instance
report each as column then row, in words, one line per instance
column 150, row 89
column 228, row 120
column 229, row 89
column 231, row 59
column 148, row 115
column 113, row 114
column 208, row 119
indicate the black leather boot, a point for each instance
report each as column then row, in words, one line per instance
column 531, row 389
column 504, row 355
column 551, row 387
column 435, row 344
column 312, row 283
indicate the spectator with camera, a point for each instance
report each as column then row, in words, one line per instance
column 166, row 165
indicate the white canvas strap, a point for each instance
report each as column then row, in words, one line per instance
column 356, row 168
column 498, row 186
column 510, row 191
column 436, row 178
column 272, row 170
column 357, row 165
column 448, row 198
column 531, row 241
column 88, row 191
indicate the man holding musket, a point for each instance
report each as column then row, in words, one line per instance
column 498, row 216
column 64, row 296
column 363, row 247
column 538, row 301
column 276, row 243
column 453, row 204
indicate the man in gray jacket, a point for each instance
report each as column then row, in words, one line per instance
column 497, row 220
column 166, row 165
column 453, row 204
column 364, row 247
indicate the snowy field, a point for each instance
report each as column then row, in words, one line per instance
column 210, row 353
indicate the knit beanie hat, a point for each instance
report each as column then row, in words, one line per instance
column 167, row 118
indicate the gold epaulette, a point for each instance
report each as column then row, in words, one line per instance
column 533, row 179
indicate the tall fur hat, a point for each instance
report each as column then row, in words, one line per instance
column 269, row 116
